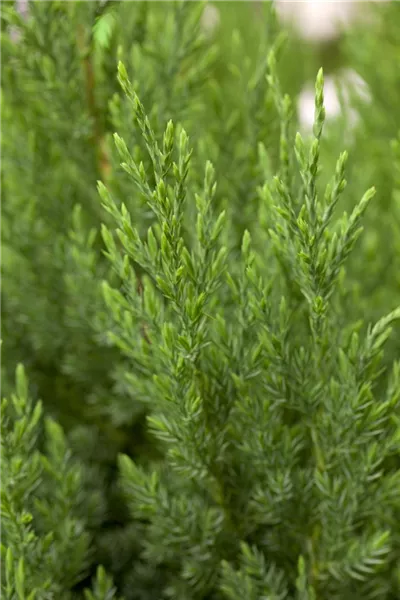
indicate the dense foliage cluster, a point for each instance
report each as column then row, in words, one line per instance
column 213, row 406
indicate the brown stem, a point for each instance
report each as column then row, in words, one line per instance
column 98, row 139
column 90, row 84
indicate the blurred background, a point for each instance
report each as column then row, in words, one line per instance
column 317, row 32
column 317, row 29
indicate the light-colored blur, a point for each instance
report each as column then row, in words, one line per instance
column 346, row 84
column 320, row 21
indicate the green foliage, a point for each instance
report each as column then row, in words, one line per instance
column 103, row 588
column 288, row 390
column 45, row 514
column 209, row 329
